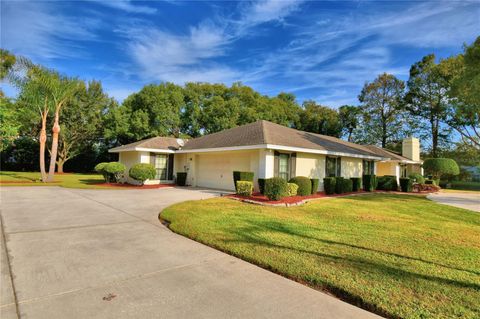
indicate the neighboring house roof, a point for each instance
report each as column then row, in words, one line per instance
column 268, row 133
column 392, row 155
column 166, row 144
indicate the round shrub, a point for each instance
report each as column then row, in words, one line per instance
column 244, row 188
column 315, row 183
column 417, row 178
column 142, row 171
column 276, row 188
column 242, row 176
column 304, row 185
column 115, row 170
column 387, row 183
column 100, row 168
column 292, row 189
column 329, row 185
column 441, row 166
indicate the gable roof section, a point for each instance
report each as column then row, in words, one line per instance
column 166, row 144
column 268, row 134
column 390, row 154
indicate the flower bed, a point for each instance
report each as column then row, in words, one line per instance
column 258, row 198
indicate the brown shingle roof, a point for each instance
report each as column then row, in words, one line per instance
column 387, row 153
column 162, row 143
column 264, row 132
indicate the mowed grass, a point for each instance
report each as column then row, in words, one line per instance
column 68, row 180
column 400, row 256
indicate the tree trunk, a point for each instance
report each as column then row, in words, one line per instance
column 60, row 166
column 43, row 140
column 53, row 155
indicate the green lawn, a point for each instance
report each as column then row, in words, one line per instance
column 64, row 180
column 400, row 256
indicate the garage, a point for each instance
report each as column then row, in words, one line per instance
column 215, row 170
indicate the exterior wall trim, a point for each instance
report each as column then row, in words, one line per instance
column 141, row 149
column 323, row 152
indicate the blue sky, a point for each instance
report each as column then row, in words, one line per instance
column 320, row 50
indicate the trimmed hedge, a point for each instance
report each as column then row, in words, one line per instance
column 142, row 171
column 181, row 178
column 440, row 166
column 387, row 183
column 315, row 182
column 113, row 171
column 100, row 168
column 339, row 185
column 242, row 176
column 276, row 188
column 356, row 183
column 329, row 185
column 304, row 185
column 417, row 178
column 369, row 182
column 292, row 189
column 244, row 188
column 261, row 185
column 347, row 186
column 406, row 184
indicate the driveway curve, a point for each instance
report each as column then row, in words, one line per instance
column 71, row 253
column 467, row 200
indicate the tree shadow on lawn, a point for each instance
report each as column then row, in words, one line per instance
column 21, row 177
column 91, row 181
column 251, row 234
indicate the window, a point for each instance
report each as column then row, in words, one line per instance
column 403, row 170
column 161, row 161
column 333, row 167
column 368, row 167
column 283, row 169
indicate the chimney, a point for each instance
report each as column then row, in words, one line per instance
column 411, row 148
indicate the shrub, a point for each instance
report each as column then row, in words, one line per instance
column 261, row 185
column 115, row 170
column 369, row 182
column 315, row 182
column 276, row 188
column 406, row 184
column 304, row 185
column 429, row 182
column 292, row 189
column 100, row 168
column 339, row 185
column 347, row 186
column 244, row 188
column 142, row 171
column 181, row 178
column 417, row 178
column 356, row 183
column 387, row 183
column 329, row 185
column 440, row 166
column 242, row 176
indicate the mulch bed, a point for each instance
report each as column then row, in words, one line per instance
column 135, row 186
column 258, row 198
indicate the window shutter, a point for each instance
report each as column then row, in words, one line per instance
column 339, row 166
column 275, row 163
column 152, row 159
column 170, row 167
column 293, row 165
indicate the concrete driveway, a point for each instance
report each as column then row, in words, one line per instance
column 69, row 253
column 467, row 200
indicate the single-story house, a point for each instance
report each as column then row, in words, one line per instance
column 268, row 150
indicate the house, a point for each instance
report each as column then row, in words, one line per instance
column 268, row 150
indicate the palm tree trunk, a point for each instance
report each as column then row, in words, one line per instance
column 43, row 140
column 53, row 153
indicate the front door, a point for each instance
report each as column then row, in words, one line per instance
column 161, row 166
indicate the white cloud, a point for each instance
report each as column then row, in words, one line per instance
column 38, row 30
column 128, row 6
column 180, row 58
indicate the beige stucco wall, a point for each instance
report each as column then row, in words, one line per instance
column 352, row 167
column 386, row 168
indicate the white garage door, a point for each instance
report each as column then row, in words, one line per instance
column 216, row 170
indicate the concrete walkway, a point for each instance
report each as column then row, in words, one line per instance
column 103, row 254
column 467, row 200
